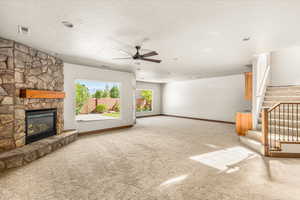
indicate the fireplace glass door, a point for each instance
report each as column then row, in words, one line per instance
column 40, row 124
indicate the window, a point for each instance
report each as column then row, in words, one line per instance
column 97, row 100
column 144, row 100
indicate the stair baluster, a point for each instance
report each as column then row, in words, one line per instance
column 276, row 131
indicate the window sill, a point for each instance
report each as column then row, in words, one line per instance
column 94, row 117
column 96, row 120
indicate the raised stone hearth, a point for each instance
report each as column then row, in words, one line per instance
column 22, row 67
column 26, row 154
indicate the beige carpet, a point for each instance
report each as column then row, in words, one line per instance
column 160, row 158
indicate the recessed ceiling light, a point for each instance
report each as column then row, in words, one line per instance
column 246, row 39
column 67, row 24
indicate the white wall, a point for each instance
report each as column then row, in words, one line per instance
column 285, row 67
column 127, row 80
column 261, row 79
column 156, row 88
column 216, row 98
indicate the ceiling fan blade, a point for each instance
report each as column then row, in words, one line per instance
column 152, row 53
column 151, row 60
column 121, row 58
column 145, row 50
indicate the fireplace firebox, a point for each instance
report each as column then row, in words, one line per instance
column 40, row 124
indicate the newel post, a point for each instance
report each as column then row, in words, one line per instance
column 265, row 131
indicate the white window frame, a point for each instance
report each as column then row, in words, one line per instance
column 100, row 81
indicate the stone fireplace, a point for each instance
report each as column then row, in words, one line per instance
column 23, row 67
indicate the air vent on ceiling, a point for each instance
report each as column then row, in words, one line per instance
column 23, row 30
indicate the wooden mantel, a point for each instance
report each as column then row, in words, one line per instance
column 41, row 94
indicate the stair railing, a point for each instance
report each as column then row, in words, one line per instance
column 280, row 124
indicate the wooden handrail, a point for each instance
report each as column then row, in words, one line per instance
column 273, row 107
column 278, row 104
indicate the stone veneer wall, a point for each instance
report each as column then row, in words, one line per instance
column 22, row 67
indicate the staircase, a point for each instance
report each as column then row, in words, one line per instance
column 283, row 122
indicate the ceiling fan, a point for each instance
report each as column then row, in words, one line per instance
column 138, row 56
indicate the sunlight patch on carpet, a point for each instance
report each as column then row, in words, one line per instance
column 225, row 160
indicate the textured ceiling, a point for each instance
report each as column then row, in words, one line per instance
column 194, row 38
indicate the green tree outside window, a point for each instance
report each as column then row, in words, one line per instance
column 82, row 94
